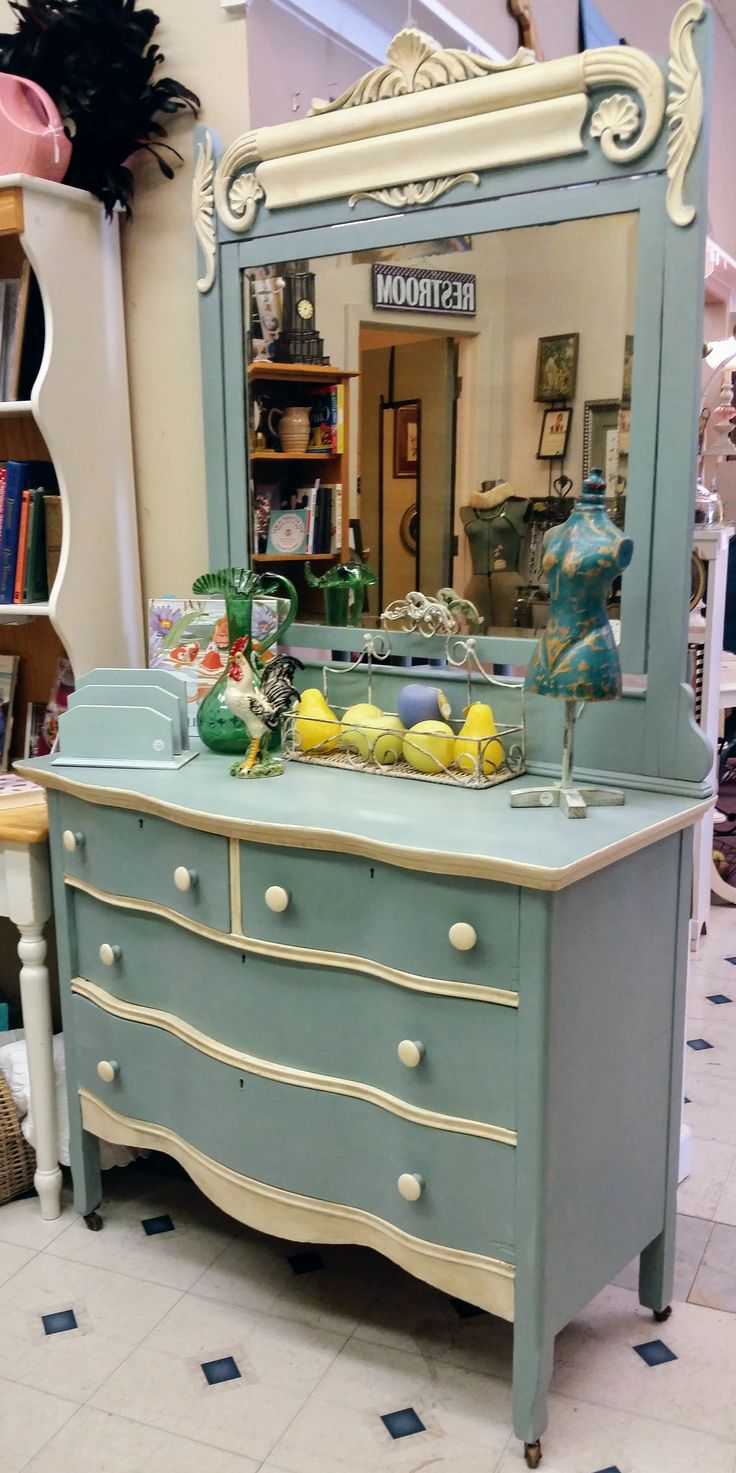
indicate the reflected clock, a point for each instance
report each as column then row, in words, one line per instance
column 299, row 341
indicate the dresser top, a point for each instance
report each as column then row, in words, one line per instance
column 422, row 826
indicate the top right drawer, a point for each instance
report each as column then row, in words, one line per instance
column 426, row 925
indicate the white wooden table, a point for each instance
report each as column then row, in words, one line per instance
column 26, row 898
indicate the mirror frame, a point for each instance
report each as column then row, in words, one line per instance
column 515, row 144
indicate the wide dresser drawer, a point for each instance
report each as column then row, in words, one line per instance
column 126, row 853
column 424, row 924
column 446, row 1188
column 445, row 1055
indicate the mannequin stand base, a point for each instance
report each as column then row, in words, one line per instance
column 574, row 802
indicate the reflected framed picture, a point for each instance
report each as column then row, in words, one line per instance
column 557, row 368
column 406, row 441
column 555, row 434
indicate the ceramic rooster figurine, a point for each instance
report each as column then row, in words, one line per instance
column 260, row 701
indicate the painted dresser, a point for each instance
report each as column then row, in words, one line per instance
column 447, row 1030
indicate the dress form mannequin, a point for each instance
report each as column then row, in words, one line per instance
column 576, row 657
column 493, row 520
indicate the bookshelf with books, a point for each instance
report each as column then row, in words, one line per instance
column 69, row 573
column 299, row 498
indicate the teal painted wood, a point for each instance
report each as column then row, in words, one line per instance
column 313, row 809
column 533, row 1336
column 334, row 905
column 213, row 404
column 84, row 1150
column 324, row 1020
column 261, row 1130
column 127, row 854
column 657, row 1262
column 613, row 1117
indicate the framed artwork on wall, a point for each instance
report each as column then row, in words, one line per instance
column 555, row 434
column 406, row 441
column 557, row 368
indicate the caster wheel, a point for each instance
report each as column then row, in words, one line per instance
column 661, row 1315
column 533, row 1454
column 93, row 1221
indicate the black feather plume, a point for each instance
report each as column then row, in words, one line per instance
column 96, row 60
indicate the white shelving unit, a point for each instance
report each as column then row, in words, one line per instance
column 78, row 414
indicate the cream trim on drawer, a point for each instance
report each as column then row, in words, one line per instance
column 487, row 1282
column 503, row 997
column 284, row 1073
column 236, row 894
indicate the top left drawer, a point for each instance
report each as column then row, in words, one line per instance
column 146, row 858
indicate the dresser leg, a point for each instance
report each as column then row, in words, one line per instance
column 84, row 1152
column 35, row 1002
column 533, row 1364
column 656, row 1274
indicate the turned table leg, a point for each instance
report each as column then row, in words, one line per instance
column 29, row 906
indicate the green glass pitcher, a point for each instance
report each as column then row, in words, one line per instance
column 218, row 728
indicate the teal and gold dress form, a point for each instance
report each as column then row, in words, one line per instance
column 576, row 656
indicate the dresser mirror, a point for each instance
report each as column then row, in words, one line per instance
column 459, row 352
column 478, row 250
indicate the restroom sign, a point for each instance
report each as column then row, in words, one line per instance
column 416, row 289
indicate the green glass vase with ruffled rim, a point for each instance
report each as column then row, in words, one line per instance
column 218, row 728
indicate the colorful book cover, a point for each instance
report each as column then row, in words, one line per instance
column 20, row 566
column 21, row 474
column 52, row 537
column 323, row 419
column 288, row 532
column 61, row 689
column 189, row 637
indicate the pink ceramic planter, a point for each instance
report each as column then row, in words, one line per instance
column 32, row 137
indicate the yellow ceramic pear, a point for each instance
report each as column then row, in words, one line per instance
column 472, row 748
column 315, row 725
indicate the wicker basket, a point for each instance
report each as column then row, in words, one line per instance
column 17, row 1159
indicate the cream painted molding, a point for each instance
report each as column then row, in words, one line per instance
column 203, row 210
column 456, row 108
column 487, row 1282
column 471, row 991
column 684, row 108
column 413, row 194
column 415, row 63
column 285, row 1073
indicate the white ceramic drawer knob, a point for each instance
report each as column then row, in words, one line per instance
column 411, row 1052
column 410, row 1186
column 72, row 841
column 277, row 898
column 108, row 1069
column 185, row 879
column 109, row 954
column 463, row 936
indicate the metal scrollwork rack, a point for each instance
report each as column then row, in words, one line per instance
column 482, row 762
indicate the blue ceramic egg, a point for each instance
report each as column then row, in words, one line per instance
column 422, row 703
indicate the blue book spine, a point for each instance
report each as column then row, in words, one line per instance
column 11, row 525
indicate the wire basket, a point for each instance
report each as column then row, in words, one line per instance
column 480, row 762
column 17, row 1159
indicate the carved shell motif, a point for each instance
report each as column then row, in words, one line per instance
column 244, row 196
column 416, row 63
column 618, row 116
column 684, row 108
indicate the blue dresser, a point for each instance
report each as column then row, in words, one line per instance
column 449, row 1031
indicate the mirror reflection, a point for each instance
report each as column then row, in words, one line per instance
column 431, row 410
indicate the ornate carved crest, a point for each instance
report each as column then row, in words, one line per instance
column 414, row 63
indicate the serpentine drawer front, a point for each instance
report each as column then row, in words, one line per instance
column 457, row 1190
column 444, row 1054
column 126, row 853
column 469, row 929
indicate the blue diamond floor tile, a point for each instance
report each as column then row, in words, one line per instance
column 403, row 1424
column 153, row 1225
column 225, row 1369
column 718, row 997
column 306, row 1263
column 655, row 1353
column 466, row 1311
column 731, row 959
column 697, row 1044
column 64, row 1319
column 609, row 1470
column 687, row 1101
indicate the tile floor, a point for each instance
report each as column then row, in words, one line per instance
column 178, row 1342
